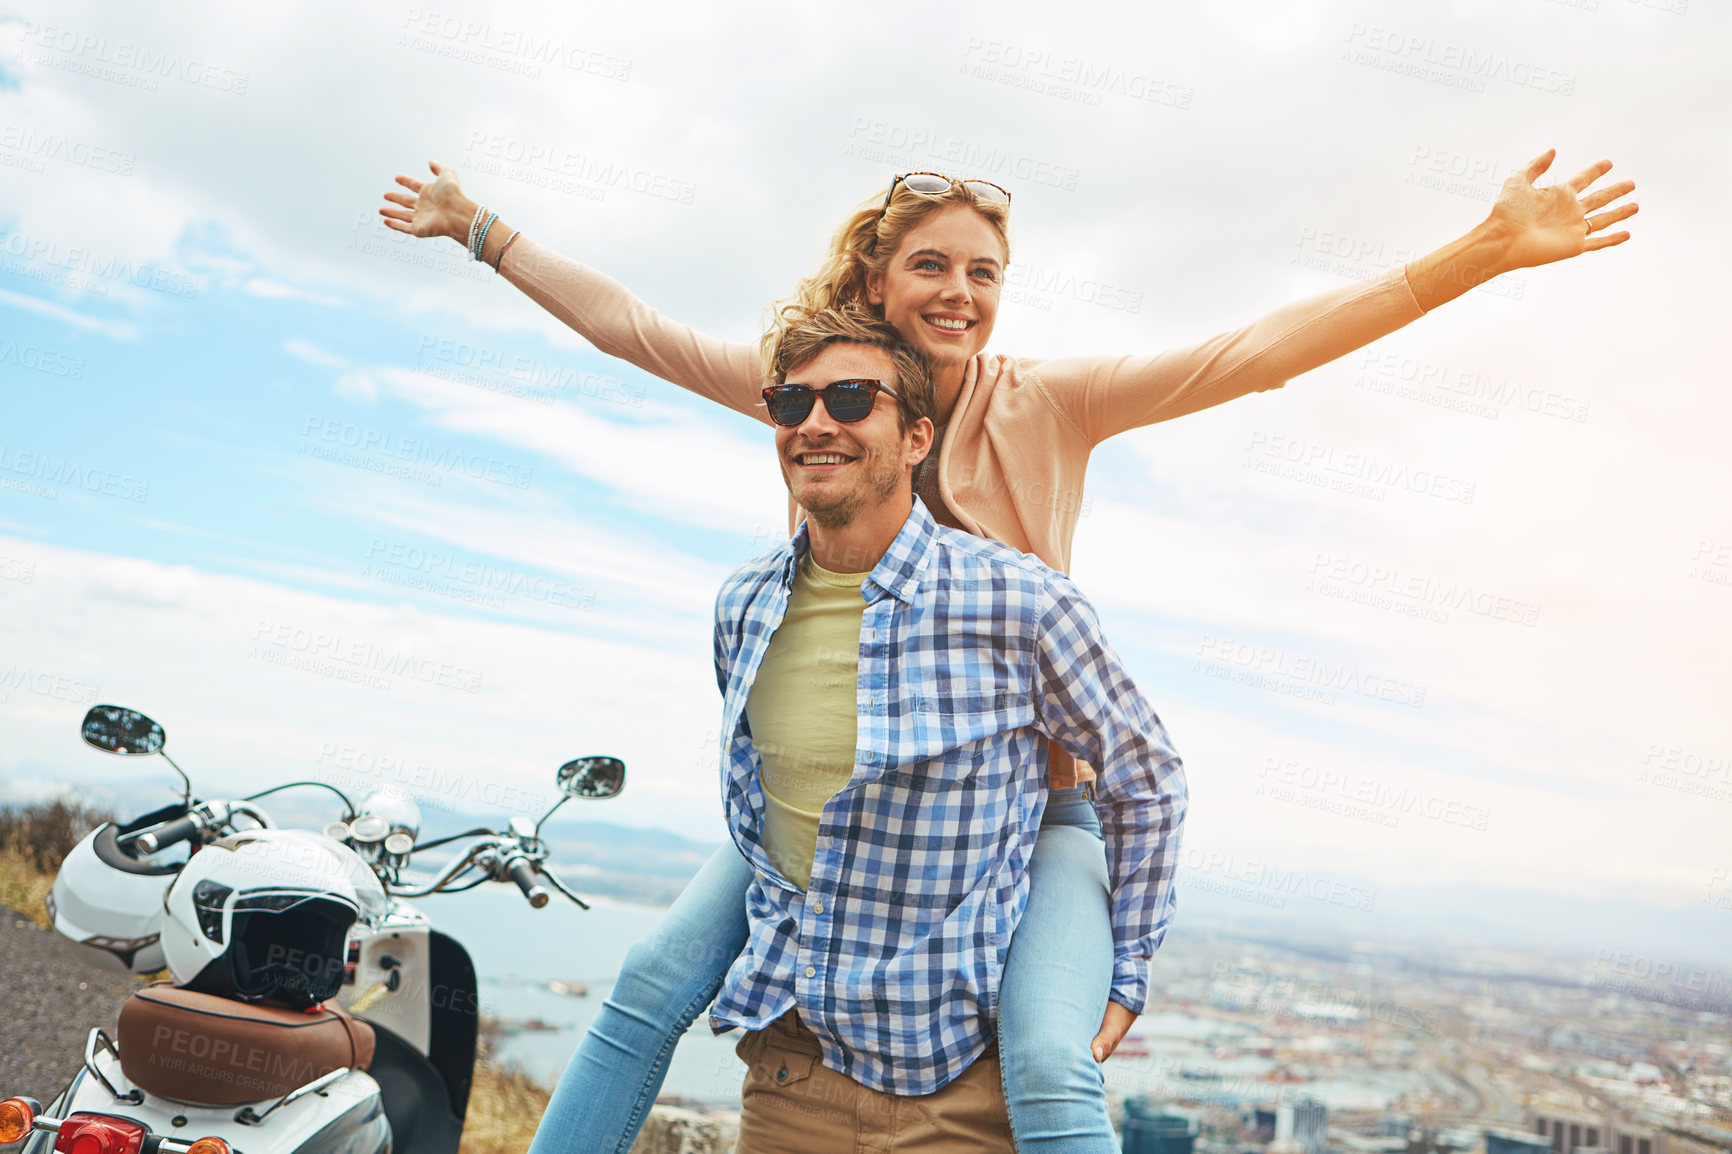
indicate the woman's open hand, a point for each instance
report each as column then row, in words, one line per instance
column 1542, row 225
column 1528, row 226
column 430, row 208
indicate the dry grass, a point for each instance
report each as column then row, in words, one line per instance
column 505, row 1104
column 44, row 832
column 505, row 1107
column 33, row 840
column 23, row 887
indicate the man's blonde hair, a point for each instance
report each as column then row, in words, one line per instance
column 804, row 333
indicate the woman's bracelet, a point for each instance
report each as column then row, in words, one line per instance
column 474, row 223
column 501, row 254
column 481, row 237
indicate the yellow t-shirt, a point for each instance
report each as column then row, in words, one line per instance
column 801, row 710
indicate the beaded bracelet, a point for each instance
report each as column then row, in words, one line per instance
column 474, row 223
column 501, row 254
column 481, row 237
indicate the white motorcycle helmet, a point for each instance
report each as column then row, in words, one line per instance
column 111, row 902
column 264, row 915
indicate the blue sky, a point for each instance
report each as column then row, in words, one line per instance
column 256, row 448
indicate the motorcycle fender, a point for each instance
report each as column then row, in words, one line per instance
column 349, row 1118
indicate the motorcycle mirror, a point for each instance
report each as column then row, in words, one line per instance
column 592, row 777
column 116, row 729
column 588, row 777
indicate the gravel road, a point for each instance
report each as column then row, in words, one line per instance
column 49, row 1000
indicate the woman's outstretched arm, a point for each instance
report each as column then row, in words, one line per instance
column 1527, row 226
column 599, row 308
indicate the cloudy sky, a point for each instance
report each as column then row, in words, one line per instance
column 226, row 391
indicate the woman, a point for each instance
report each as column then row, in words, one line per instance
column 1012, row 447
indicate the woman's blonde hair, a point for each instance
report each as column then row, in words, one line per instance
column 864, row 245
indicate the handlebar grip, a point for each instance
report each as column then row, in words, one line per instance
column 529, row 882
column 179, row 830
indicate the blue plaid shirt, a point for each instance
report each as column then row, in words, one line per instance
column 970, row 652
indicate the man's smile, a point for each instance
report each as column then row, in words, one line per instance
column 823, row 460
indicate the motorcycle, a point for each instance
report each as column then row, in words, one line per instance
column 385, row 1063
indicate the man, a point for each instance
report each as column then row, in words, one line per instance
column 888, row 685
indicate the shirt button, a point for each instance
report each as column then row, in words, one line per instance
column 811, row 972
column 817, row 907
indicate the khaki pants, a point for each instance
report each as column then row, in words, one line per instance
column 794, row 1104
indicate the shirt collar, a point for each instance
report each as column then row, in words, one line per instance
column 897, row 572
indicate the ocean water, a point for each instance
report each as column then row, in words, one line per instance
column 517, row 950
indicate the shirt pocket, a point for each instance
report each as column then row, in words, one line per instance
column 950, row 721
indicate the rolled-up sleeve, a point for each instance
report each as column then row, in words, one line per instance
column 1086, row 701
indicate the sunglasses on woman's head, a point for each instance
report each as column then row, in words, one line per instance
column 846, row 401
column 937, row 184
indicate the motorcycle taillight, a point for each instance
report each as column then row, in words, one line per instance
column 99, row 1134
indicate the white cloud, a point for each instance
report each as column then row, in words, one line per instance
column 277, row 291
column 314, row 355
column 119, row 330
column 676, row 465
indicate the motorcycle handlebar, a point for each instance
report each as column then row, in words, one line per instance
column 179, row 830
column 529, row 882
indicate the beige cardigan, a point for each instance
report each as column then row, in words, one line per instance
column 1018, row 443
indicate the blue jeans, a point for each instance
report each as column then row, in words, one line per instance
column 1054, row 991
column 1051, row 1000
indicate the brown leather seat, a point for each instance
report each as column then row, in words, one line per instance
column 210, row 1051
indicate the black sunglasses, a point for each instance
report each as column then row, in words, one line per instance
column 846, row 401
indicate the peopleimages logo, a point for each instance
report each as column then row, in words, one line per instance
column 452, row 35
column 553, row 160
column 107, row 59
column 360, row 661
column 45, row 467
column 1266, row 883
column 38, row 359
column 1389, row 586
column 430, row 785
column 885, row 142
column 1363, row 797
column 1277, row 449
column 87, row 270
column 1313, row 672
column 1457, row 65
column 328, row 437
column 42, row 146
column 414, row 567
column 1396, row 369
column 45, row 684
